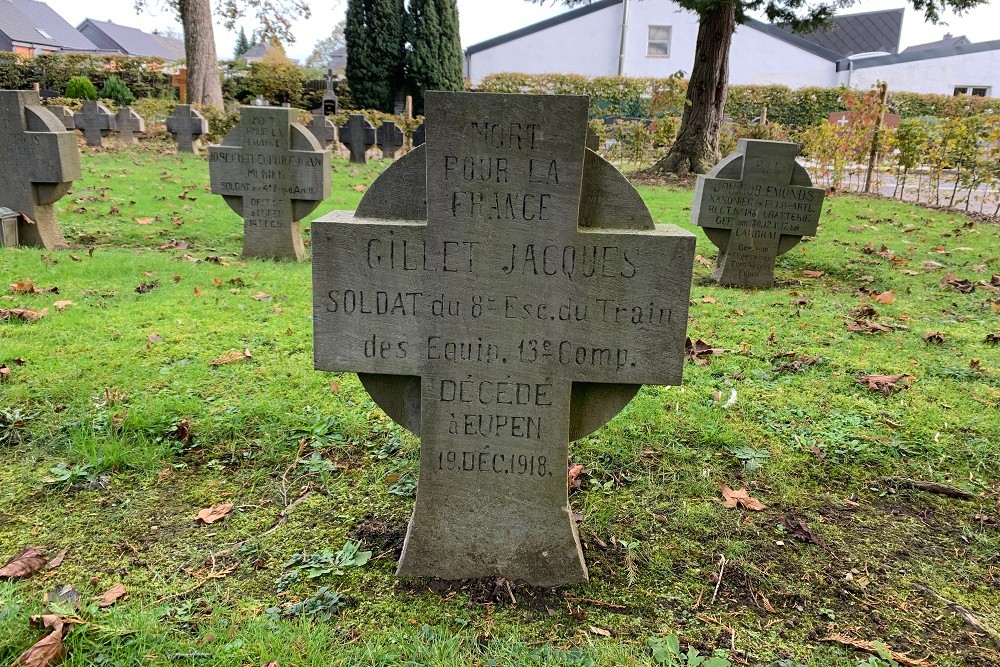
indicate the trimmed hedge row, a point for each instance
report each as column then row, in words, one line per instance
column 143, row 76
column 802, row 107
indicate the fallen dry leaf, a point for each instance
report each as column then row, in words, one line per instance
column 873, row 647
column 697, row 350
column 62, row 305
column 261, row 296
column 800, row 530
column 885, row 384
column 154, row 338
column 145, row 221
column 935, row 337
column 23, row 314
column 57, row 561
column 867, row 326
column 796, row 364
column 573, row 476
column 359, row 188
column 961, row 285
column 231, row 356
column 4, row 372
column 48, row 650
column 704, row 261
column 214, row 513
column 144, row 288
column 740, row 498
column 813, row 274
column 884, row 297
column 600, row 631
column 335, row 387
column 993, row 338
column 27, row 562
column 112, row 595
column 705, row 299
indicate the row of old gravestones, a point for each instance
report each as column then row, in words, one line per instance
column 501, row 291
column 187, row 126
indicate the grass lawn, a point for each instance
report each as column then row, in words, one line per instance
column 116, row 429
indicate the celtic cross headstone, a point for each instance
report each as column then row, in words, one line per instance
column 755, row 205
column 485, row 310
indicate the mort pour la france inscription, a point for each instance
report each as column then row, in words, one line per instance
column 496, row 304
column 755, row 205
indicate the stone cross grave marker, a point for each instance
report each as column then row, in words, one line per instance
column 39, row 160
column 130, row 125
column 500, row 320
column 187, row 126
column 95, row 121
column 419, row 136
column 358, row 135
column 272, row 172
column 323, row 129
column 389, row 138
column 64, row 114
column 755, row 205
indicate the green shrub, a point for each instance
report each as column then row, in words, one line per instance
column 80, row 88
column 117, row 91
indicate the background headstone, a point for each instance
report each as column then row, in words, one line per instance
column 358, row 135
column 389, row 138
column 331, row 104
column 323, row 129
column 272, row 172
column 485, row 316
column 755, row 205
column 187, row 126
column 95, row 121
column 39, row 160
column 130, row 125
column 64, row 114
column 419, row 136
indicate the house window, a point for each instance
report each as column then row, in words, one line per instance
column 43, row 33
column 977, row 91
column 658, row 44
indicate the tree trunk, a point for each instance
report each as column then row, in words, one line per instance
column 697, row 147
column 203, row 83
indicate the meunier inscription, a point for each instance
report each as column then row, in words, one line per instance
column 755, row 205
column 496, row 305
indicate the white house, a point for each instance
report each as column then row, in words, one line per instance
column 656, row 38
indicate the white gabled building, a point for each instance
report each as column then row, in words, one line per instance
column 655, row 38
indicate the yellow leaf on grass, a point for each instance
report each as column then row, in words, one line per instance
column 214, row 513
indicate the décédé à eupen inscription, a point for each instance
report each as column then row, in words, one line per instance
column 494, row 305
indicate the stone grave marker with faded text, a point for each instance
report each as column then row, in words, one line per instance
column 272, row 172
column 755, row 205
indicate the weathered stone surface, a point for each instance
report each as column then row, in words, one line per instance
column 389, row 138
column 272, row 172
column 64, row 114
column 419, row 136
column 39, row 160
column 187, row 126
column 95, row 121
column 755, row 205
column 358, row 135
column 130, row 125
column 481, row 314
column 323, row 129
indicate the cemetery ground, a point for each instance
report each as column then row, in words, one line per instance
column 856, row 402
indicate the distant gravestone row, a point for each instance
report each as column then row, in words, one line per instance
column 187, row 127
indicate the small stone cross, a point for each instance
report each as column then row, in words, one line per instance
column 419, row 136
column 755, row 205
column 389, row 138
column 39, row 160
column 64, row 114
column 187, row 126
column 272, row 172
column 130, row 125
column 95, row 121
column 358, row 135
column 323, row 129
column 493, row 316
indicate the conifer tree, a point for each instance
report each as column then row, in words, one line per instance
column 435, row 61
column 242, row 44
column 375, row 37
